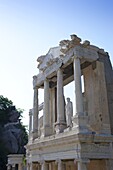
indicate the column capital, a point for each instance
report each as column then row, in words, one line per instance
column 60, row 68
column 34, row 82
column 35, row 87
column 76, row 57
column 58, row 161
column 41, row 161
column 47, row 79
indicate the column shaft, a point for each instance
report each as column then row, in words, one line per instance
column 47, row 130
column 20, row 167
column 46, row 121
column 44, row 166
column 13, row 167
column 31, row 166
column 60, row 97
column 78, row 87
column 35, row 114
column 60, row 166
column 82, row 166
column 61, row 119
column 30, row 120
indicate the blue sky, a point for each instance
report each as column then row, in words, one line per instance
column 28, row 28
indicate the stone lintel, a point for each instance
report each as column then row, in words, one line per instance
column 15, row 158
column 85, row 54
column 38, row 80
column 51, row 69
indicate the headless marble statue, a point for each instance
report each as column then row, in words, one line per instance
column 69, row 112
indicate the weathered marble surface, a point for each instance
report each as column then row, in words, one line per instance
column 89, row 139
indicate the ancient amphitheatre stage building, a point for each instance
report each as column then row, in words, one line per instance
column 86, row 142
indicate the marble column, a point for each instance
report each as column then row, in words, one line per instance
column 79, row 119
column 78, row 87
column 46, row 110
column 28, row 166
column 13, row 167
column 82, row 164
column 44, row 166
column 20, row 167
column 59, row 164
column 30, row 120
column 35, row 113
column 31, row 166
column 61, row 120
column 8, row 167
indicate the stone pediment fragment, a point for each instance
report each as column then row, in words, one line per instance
column 52, row 56
column 66, row 45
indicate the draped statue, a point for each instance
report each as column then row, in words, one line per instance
column 69, row 112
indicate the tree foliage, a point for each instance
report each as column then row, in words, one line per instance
column 5, row 104
column 7, row 109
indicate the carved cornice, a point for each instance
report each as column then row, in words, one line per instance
column 66, row 45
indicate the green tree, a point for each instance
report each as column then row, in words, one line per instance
column 7, row 109
column 5, row 104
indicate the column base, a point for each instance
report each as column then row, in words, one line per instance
column 46, row 131
column 30, row 136
column 59, row 127
column 80, row 124
column 35, row 134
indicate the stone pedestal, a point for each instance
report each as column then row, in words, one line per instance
column 80, row 124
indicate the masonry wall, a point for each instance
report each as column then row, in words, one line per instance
column 109, row 85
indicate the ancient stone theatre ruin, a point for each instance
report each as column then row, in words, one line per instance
column 72, row 135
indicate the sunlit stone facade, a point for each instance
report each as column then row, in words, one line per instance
column 86, row 142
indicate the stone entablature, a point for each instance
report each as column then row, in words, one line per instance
column 54, row 59
column 56, row 142
column 72, row 146
column 16, row 161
